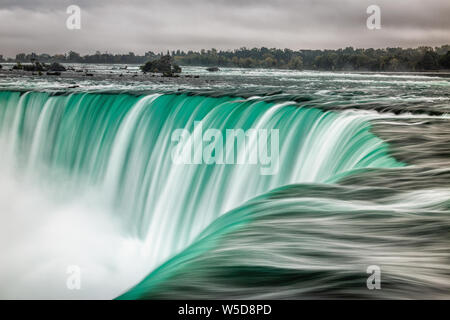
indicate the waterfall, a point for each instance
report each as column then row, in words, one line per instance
column 118, row 148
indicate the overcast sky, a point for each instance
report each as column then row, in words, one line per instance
column 157, row 25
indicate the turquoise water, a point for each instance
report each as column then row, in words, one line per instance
column 89, row 180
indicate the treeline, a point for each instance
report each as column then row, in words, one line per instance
column 74, row 57
column 389, row 59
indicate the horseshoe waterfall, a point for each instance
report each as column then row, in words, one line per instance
column 88, row 180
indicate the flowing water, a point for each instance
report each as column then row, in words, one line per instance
column 88, row 180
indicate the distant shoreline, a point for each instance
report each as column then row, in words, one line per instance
column 420, row 59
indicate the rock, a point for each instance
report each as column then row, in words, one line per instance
column 35, row 66
column 55, row 66
column 163, row 65
column 213, row 69
column 17, row 66
column 176, row 68
column 53, row 73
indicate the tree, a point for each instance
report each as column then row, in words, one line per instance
column 296, row 63
column 445, row 60
column 429, row 61
column 74, row 56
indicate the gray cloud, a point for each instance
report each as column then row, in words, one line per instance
column 142, row 25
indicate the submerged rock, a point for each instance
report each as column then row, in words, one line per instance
column 213, row 69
